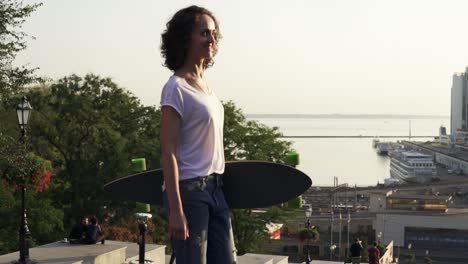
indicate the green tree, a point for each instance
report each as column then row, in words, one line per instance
column 409, row 258
column 44, row 220
column 13, row 79
column 309, row 234
column 91, row 129
column 365, row 253
column 12, row 40
column 19, row 167
column 8, row 223
column 250, row 140
column 382, row 249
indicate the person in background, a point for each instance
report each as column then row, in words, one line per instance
column 374, row 254
column 93, row 233
column 78, row 232
column 355, row 250
column 192, row 151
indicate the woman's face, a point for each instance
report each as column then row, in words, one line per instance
column 203, row 39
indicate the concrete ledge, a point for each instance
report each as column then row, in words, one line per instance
column 280, row 259
column 64, row 253
column 153, row 252
column 114, row 256
column 252, row 259
column 255, row 259
column 109, row 253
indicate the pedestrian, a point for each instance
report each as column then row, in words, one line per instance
column 94, row 233
column 355, row 250
column 374, row 254
column 78, row 231
column 191, row 137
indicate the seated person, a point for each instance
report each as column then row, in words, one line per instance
column 78, row 231
column 93, row 233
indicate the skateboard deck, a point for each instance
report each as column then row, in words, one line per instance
column 246, row 184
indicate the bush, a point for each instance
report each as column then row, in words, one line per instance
column 308, row 234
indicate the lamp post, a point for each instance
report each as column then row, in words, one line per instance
column 24, row 112
column 139, row 165
column 308, row 213
column 143, row 219
column 332, row 249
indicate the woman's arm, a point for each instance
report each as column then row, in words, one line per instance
column 170, row 128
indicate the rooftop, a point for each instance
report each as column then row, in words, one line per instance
column 405, row 195
column 434, row 146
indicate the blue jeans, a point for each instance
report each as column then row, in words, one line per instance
column 207, row 213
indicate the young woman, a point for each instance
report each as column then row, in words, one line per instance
column 192, row 141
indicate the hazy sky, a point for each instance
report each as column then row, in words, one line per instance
column 304, row 57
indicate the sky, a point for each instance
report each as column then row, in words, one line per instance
column 275, row 57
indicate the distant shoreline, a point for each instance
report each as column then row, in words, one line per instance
column 340, row 116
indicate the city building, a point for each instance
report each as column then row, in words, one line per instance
column 421, row 223
column 459, row 108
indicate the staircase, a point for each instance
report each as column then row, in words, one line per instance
column 253, row 259
column 111, row 252
column 115, row 252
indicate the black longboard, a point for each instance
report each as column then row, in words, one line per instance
column 247, row 184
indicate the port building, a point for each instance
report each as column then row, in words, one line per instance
column 423, row 222
column 459, row 107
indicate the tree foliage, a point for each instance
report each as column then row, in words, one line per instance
column 20, row 167
column 12, row 40
column 250, row 140
column 92, row 128
column 309, row 234
column 45, row 221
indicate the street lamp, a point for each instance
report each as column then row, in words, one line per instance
column 143, row 219
column 24, row 112
column 308, row 213
column 332, row 249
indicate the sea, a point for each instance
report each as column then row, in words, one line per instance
column 352, row 160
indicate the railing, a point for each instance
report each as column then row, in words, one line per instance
column 387, row 258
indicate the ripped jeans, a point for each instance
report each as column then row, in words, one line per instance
column 210, row 238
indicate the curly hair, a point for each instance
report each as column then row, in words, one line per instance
column 175, row 40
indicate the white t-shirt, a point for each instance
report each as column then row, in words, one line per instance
column 200, row 150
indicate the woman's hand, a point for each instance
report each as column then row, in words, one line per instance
column 178, row 228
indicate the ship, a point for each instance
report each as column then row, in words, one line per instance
column 375, row 141
column 382, row 148
column 412, row 166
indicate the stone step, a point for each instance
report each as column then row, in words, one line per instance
column 153, row 252
column 253, row 259
column 111, row 252
column 280, row 259
column 65, row 253
column 261, row 259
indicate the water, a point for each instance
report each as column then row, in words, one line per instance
column 352, row 160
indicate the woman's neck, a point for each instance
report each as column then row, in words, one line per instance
column 191, row 70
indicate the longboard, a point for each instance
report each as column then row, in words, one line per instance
column 247, row 184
